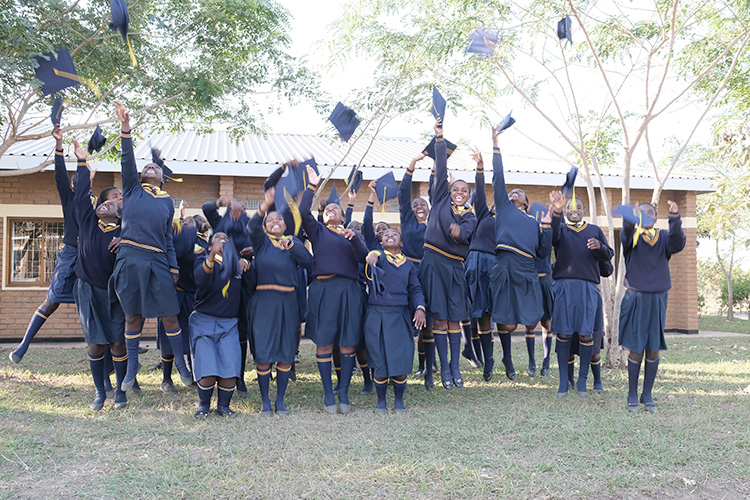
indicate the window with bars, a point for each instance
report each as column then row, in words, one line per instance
column 177, row 202
column 34, row 248
column 393, row 206
column 253, row 204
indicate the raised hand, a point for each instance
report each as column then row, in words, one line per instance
column 476, row 155
column 439, row 126
column 557, row 201
column 58, row 135
column 122, row 114
column 236, row 210
column 673, row 207
column 372, row 259
column 547, row 217
column 78, row 150
column 312, row 176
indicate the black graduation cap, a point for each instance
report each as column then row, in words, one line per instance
column 430, row 149
column 564, row 29
column 120, row 21
column 300, row 173
column 537, row 210
column 437, row 106
column 356, row 183
column 376, row 278
column 57, row 109
column 56, row 72
column 482, row 41
column 97, row 140
column 345, row 120
column 507, row 122
column 229, row 265
column 286, row 187
column 633, row 215
column 386, row 188
column 334, row 196
column 166, row 172
column 569, row 188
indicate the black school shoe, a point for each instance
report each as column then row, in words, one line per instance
column 226, row 412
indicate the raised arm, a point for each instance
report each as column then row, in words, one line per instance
column 557, row 203
column 367, row 220
column 309, row 224
column 441, row 163
column 127, row 160
column 676, row 241
column 84, row 209
column 406, row 213
column 62, row 182
column 480, row 194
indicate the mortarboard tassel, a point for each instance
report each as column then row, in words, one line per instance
column 78, row 78
column 225, row 288
column 573, row 204
column 133, row 61
column 295, row 211
column 382, row 207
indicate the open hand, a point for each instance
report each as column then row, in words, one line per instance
column 372, row 259
column 313, row 177
column 419, row 319
column 122, row 113
column 557, row 201
column 348, row 234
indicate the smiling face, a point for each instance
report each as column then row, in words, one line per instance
column 380, row 228
column 275, row 224
column 518, row 198
column 460, row 193
column 114, row 194
column 575, row 216
column 420, row 209
column 333, row 214
column 152, row 174
column 108, row 212
column 391, row 241
column 649, row 210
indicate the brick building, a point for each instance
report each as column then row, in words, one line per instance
column 213, row 166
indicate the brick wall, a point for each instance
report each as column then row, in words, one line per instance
column 17, row 305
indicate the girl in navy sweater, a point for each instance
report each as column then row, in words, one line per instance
column 644, row 307
column 274, row 311
column 441, row 272
column 335, row 302
column 146, row 269
column 519, row 238
column 391, row 312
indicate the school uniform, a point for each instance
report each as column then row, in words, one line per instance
column 274, row 310
column 61, row 286
column 412, row 230
column 481, row 253
column 519, row 238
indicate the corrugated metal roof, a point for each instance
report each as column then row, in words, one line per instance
column 254, row 156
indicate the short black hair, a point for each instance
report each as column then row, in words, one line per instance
column 105, row 193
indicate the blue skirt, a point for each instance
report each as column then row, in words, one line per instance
column 186, row 301
column 546, row 284
column 102, row 321
column 516, row 296
column 214, row 346
column 578, row 305
column 478, row 272
column 335, row 312
column 444, row 285
column 274, row 323
column 64, row 278
column 643, row 316
column 390, row 344
column 302, row 293
column 143, row 283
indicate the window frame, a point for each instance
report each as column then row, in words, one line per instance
column 8, row 242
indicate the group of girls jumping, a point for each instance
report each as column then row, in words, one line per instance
column 362, row 290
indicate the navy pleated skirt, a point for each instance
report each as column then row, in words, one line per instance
column 335, row 312
column 64, row 278
column 390, row 344
column 143, row 283
column 274, row 323
column 478, row 273
column 214, row 346
column 444, row 285
column 643, row 316
column 546, row 284
column 102, row 320
column 577, row 306
column 516, row 296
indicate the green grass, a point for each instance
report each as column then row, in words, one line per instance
column 713, row 323
column 487, row 440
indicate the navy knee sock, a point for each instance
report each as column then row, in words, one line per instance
column 204, row 397
column 488, row 348
column 348, row 361
column 454, row 338
column 466, row 338
column 132, row 343
column 241, row 387
column 121, row 368
column 421, row 355
column 367, row 376
column 563, row 352
column 441, row 345
column 264, row 382
column 381, row 387
column 223, row 398
column 596, row 371
column 429, row 360
column 37, row 320
column 324, row 367
column 166, row 366
column 282, row 381
column 109, row 368
column 399, row 388
column 175, row 342
column 649, row 376
column 584, row 353
column 634, row 371
column 547, row 347
column 96, row 364
column 507, row 355
column 530, row 344
column 571, row 369
column 476, row 343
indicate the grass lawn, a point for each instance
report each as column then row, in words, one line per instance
column 488, row 440
column 713, row 323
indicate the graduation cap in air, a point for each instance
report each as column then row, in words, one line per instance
column 120, row 21
column 57, row 109
column 345, row 120
column 564, row 29
column 97, row 140
column 283, row 198
column 568, row 188
column 300, row 172
column 386, row 188
column 437, row 106
column 356, row 182
column 537, row 210
column 507, row 122
column 376, row 279
column 334, row 196
column 229, row 265
column 56, row 72
column 166, row 172
column 430, row 148
column 482, row 41
column 633, row 215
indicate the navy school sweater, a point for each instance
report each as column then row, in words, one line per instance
column 95, row 262
column 368, row 231
column 515, row 230
column 236, row 230
column 412, row 231
column 483, row 239
column 216, row 296
column 188, row 247
column 276, row 267
column 574, row 260
column 147, row 211
column 62, row 182
column 333, row 254
column 647, row 265
column 437, row 236
column 401, row 281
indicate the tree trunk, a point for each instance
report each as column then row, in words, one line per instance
column 727, row 270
